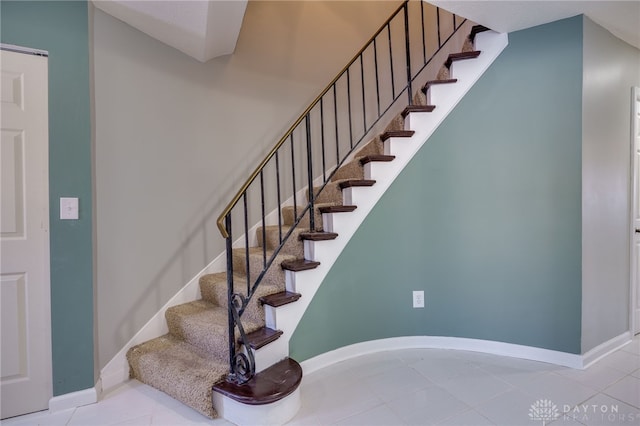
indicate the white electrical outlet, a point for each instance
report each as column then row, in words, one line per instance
column 418, row 299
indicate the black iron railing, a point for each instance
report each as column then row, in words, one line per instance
column 318, row 143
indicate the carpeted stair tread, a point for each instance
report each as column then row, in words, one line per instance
column 377, row 157
column 350, row 170
column 269, row 385
column 280, row 299
column 204, row 325
column 274, row 234
column 468, row 45
column 397, row 123
column 417, row 108
column 178, row 369
column 337, row 209
column 288, row 215
column 262, row 336
column 444, row 73
column 213, row 288
column 397, row 134
column 272, row 277
column 210, row 285
column 461, row 56
column 373, row 147
column 299, row 265
column 331, row 193
column 318, row 236
column 356, row 182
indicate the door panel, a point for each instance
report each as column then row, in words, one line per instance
column 25, row 367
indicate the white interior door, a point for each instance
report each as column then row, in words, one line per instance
column 635, row 250
column 25, row 315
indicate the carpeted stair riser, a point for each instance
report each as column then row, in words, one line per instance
column 331, row 193
column 351, row 170
column 420, row 98
column 374, row 147
column 443, row 74
column 274, row 275
column 288, row 217
column 178, row 369
column 204, row 325
column 468, row 45
column 292, row 246
column 396, row 124
column 213, row 288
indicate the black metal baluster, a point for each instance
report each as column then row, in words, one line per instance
column 279, row 200
column 454, row 23
column 393, row 82
column 312, row 225
column 293, row 176
column 375, row 61
column 264, row 224
column 246, row 242
column 438, row 26
column 230, row 320
column 324, row 161
column 408, row 52
column 364, row 107
column 335, row 112
column 349, row 108
column 424, row 40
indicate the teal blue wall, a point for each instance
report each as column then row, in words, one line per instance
column 486, row 218
column 61, row 27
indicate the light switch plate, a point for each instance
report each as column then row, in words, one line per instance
column 68, row 208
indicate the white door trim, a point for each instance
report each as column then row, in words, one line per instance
column 25, row 50
column 634, row 320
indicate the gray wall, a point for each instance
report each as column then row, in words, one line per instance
column 60, row 27
column 611, row 68
column 485, row 219
column 176, row 138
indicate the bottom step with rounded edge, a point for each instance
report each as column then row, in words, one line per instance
column 271, row 397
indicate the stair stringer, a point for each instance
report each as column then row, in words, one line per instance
column 286, row 318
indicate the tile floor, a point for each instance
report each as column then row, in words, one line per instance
column 413, row 387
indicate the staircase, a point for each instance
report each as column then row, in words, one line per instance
column 253, row 379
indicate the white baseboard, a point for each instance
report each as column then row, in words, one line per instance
column 438, row 342
column 73, row 400
column 596, row 354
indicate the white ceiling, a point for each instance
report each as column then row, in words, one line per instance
column 205, row 29
column 621, row 18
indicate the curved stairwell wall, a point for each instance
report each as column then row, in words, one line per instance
column 486, row 218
